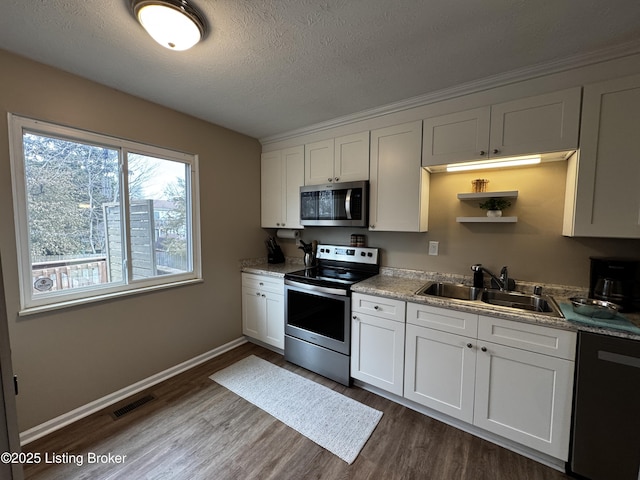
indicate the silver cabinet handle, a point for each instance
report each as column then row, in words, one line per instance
column 619, row 358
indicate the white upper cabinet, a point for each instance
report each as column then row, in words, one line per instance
column 318, row 162
column 343, row 159
column 352, row 157
column 281, row 176
column 603, row 178
column 539, row 124
column 457, row 137
column 399, row 190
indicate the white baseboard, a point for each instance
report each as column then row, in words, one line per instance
column 74, row 415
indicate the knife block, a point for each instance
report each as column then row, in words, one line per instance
column 275, row 255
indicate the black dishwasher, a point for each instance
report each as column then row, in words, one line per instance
column 606, row 416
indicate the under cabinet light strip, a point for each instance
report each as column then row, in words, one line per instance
column 509, row 162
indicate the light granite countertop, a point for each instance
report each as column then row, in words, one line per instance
column 402, row 284
column 259, row 266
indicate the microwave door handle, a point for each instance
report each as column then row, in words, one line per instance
column 347, row 203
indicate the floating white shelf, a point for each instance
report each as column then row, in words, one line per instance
column 483, row 195
column 486, row 219
column 480, row 195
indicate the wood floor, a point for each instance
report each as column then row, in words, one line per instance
column 195, row 429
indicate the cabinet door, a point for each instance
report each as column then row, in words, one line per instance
column 318, row 162
column 440, row 371
column 540, row 124
column 456, row 137
column 293, row 163
column 377, row 352
column 351, row 158
column 603, row 179
column 274, row 321
column 525, row 397
column 399, row 190
column 271, row 190
column 253, row 312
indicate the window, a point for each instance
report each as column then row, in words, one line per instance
column 97, row 215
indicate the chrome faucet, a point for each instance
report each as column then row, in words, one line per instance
column 502, row 281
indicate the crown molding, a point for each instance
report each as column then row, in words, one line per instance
column 499, row 80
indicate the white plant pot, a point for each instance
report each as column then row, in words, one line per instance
column 494, row 213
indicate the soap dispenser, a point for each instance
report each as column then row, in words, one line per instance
column 478, row 276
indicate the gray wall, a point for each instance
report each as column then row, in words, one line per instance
column 533, row 248
column 68, row 358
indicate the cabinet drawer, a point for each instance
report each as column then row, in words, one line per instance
column 443, row 319
column 378, row 306
column 263, row 283
column 535, row 338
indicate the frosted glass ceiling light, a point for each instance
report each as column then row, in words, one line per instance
column 507, row 162
column 174, row 24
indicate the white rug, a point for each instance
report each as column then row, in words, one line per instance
column 335, row 422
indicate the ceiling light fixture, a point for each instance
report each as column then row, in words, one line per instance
column 174, row 24
column 507, row 162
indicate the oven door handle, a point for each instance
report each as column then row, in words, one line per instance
column 347, row 203
column 316, row 288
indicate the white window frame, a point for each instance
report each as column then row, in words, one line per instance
column 61, row 299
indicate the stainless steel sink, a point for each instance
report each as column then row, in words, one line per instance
column 499, row 298
column 450, row 290
column 521, row 301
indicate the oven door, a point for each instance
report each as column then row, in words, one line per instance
column 318, row 315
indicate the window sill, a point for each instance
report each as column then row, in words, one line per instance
column 100, row 298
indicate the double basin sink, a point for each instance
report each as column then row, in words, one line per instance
column 512, row 300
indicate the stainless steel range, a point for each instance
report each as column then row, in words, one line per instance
column 318, row 307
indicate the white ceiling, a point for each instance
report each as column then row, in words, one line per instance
column 271, row 66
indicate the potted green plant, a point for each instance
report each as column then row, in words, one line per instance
column 494, row 206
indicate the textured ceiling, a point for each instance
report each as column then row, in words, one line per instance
column 272, row 66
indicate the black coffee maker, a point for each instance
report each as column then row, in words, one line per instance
column 616, row 280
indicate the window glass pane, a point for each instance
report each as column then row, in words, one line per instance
column 159, row 216
column 68, row 184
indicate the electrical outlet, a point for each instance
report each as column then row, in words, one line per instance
column 433, row 248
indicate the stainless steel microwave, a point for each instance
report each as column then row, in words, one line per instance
column 335, row 204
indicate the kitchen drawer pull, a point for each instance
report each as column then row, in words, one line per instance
column 482, row 153
column 495, row 150
column 376, row 307
column 484, row 349
column 469, row 345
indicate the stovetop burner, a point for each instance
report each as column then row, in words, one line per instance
column 339, row 265
column 332, row 274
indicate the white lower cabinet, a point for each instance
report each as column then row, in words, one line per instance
column 263, row 308
column 440, row 371
column 509, row 378
column 377, row 341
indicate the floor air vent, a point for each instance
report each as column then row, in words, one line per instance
column 130, row 407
